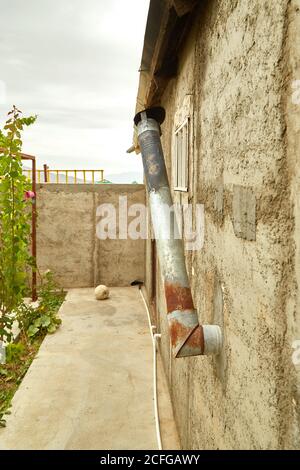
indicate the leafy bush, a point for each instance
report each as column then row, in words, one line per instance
column 14, row 352
column 34, row 321
column 14, row 220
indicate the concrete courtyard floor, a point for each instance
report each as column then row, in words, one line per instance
column 91, row 384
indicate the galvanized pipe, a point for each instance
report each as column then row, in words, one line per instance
column 188, row 337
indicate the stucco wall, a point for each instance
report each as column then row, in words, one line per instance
column 66, row 235
column 235, row 79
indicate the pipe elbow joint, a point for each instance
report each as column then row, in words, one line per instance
column 213, row 339
column 205, row 340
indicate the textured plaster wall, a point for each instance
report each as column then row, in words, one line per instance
column 237, row 67
column 66, row 235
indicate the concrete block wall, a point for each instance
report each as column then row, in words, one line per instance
column 67, row 243
column 236, row 69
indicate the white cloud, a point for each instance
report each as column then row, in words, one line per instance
column 75, row 64
column 2, row 92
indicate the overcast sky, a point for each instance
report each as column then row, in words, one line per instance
column 75, row 64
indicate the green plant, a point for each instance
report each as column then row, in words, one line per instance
column 35, row 321
column 14, row 220
column 20, row 355
column 14, row 352
column 50, row 294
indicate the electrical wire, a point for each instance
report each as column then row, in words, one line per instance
column 154, row 337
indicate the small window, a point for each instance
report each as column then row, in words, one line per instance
column 181, row 157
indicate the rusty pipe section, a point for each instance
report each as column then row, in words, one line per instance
column 188, row 337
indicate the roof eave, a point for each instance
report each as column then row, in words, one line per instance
column 167, row 25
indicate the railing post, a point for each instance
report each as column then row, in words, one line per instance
column 45, row 173
column 33, row 235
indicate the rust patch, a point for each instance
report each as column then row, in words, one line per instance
column 178, row 333
column 153, row 165
column 196, row 339
column 185, row 340
column 183, row 336
column 178, row 297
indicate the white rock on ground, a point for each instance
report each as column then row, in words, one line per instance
column 101, row 292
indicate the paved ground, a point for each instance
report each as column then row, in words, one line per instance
column 90, row 386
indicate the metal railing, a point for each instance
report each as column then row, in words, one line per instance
column 67, row 176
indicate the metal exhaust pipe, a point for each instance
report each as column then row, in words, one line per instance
column 188, row 337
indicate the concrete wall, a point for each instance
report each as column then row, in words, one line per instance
column 66, row 235
column 235, row 77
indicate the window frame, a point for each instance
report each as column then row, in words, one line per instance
column 178, row 177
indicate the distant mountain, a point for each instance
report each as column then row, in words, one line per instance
column 117, row 178
column 62, row 177
column 126, row 177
